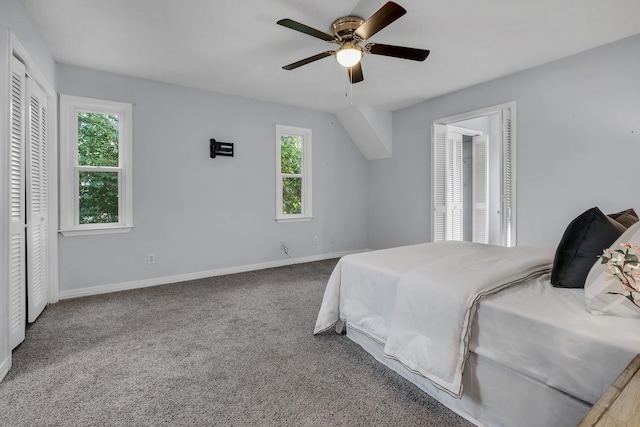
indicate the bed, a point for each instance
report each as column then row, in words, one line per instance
column 516, row 352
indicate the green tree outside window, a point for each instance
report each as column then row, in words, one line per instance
column 291, row 164
column 98, row 136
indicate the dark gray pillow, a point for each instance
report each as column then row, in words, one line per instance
column 583, row 240
column 626, row 218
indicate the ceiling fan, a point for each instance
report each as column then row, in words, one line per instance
column 349, row 32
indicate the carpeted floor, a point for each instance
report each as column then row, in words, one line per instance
column 233, row 350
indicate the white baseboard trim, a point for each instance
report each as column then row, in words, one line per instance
column 125, row 286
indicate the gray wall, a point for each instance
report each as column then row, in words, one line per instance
column 578, row 144
column 13, row 16
column 198, row 214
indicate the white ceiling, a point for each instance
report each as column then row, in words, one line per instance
column 235, row 46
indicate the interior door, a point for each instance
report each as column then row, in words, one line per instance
column 439, row 183
column 455, row 207
column 37, row 202
column 17, row 209
column 480, row 188
column 508, row 202
column 447, row 183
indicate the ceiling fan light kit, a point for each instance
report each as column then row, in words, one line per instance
column 349, row 32
column 349, row 54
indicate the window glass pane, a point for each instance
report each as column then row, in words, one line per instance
column 291, row 196
column 97, row 139
column 98, row 197
column 291, row 154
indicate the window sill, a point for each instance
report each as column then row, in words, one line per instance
column 294, row 218
column 96, row 231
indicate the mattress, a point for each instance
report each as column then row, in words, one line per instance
column 547, row 334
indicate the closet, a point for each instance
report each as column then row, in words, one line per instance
column 448, row 171
column 29, row 207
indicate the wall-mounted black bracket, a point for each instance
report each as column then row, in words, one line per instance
column 220, row 148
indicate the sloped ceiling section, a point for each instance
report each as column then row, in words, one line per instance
column 370, row 129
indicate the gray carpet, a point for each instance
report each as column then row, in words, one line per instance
column 233, row 350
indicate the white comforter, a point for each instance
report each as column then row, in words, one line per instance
column 423, row 318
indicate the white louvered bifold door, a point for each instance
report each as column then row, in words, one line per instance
column 455, row 212
column 508, row 180
column 480, row 188
column 17, row 242
column 439, row 183
column 447, row 188
column 37, row 202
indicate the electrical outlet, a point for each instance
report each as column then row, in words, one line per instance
column 151, row 259
column 315, row 240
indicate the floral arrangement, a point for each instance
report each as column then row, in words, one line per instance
column 623, row 265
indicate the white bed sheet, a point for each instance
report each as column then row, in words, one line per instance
column 547, row 334
column 534, row 329
column 436, row 301
column 376, row 274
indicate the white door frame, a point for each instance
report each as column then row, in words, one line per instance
column 507, row 204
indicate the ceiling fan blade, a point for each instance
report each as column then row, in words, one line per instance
column 384, row 16
column 290, row 23
column 355, row 73
column 397, row 51
column 308, row 60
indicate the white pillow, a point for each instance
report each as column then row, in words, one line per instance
column 596, row 287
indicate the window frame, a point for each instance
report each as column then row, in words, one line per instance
column 70, row 171
column 306, row 175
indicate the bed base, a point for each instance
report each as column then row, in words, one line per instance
column 494, row 395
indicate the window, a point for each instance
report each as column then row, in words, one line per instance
column 293, row 174
column 95, row 166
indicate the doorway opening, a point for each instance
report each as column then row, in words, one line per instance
column 473, row 176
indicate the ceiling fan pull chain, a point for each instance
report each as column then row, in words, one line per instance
column 348, row 92
column 351, row 89
column 346, row 87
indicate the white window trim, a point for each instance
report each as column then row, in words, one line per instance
column 69, row 201
column 306, row 214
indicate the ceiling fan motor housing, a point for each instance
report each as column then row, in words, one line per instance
column 343, row 28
